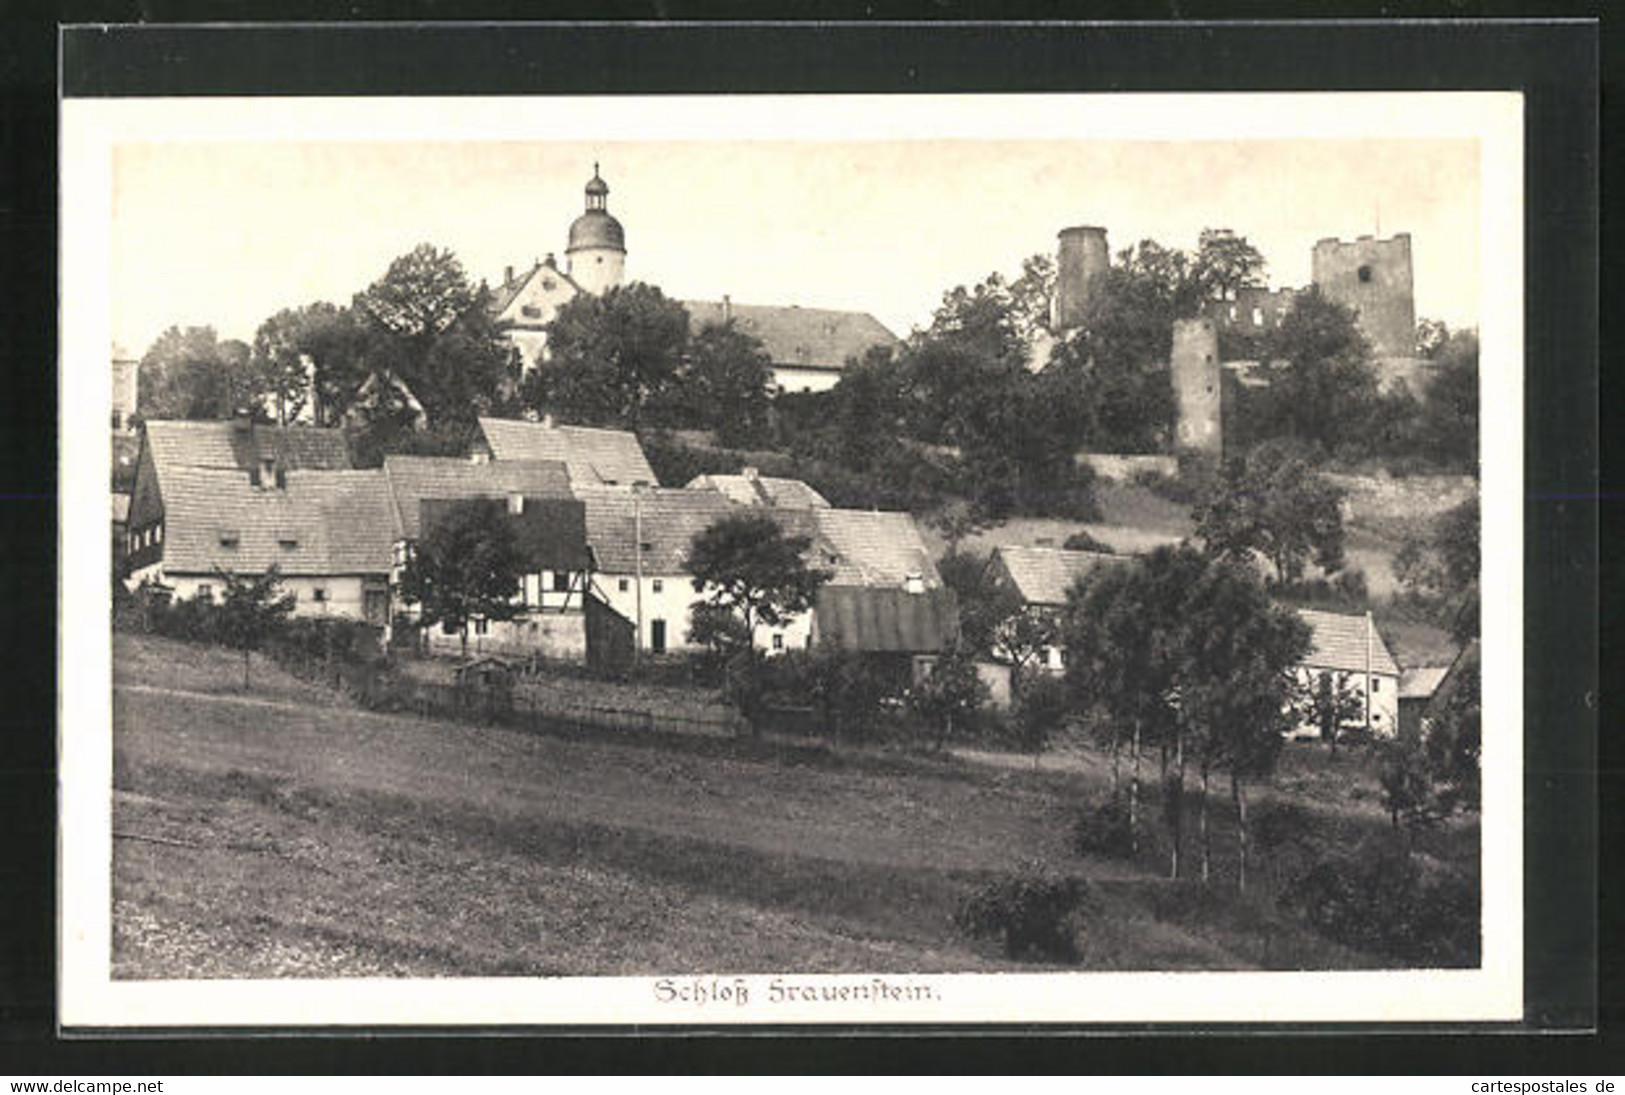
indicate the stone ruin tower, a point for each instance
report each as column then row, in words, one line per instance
column 1193, row 364
column 1374, row 278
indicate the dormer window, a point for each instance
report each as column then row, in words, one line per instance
column 287, row 542
column 228, row 538
column 532, row 311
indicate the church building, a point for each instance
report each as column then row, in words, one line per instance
column 808, row 346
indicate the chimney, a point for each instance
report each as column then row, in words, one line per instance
column 750, row 473
column 1081, row 256
column 547, row 422
column 727, row 308
column 507, row 275
column 550, row 261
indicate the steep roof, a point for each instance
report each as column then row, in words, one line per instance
column 872, row 548
column 670, row 520
column 761, row 490
column 502, row 297
column 1420, row 683
column 230, row 445
column 551, row 532
column 412, row 479
column 791, row 335
column 322, row 523
column 1042, row 576
column 888, row 620
column 591, row 455
column 1339, row 642
column 121, row 507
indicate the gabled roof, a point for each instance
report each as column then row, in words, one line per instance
column 887, row 620
column 871, row 547
column 322, row 523
column 412, row 479
column 761, row 490
column 591, row 455
column 551, row 532
column 1043, row 576
column 1420, row 683
column 1339, row 642
column 791, row 335
column 232, row 445
column 670, row 519
column 502, row 297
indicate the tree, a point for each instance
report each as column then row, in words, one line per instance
column 1082, row 540
column 250, row 609
column 952, row 691
column 1042, row 708
column 725, row 384
column 466, row 566
column 1448, row 425
column 612, row 357
column 1273, row 502
column 313, row 354
column 1431, row 334
column 867, row 409
column 1225, row 262
column 191, row 373
column 984, row 601
column 1439, row 569
column 1023, row 636
column 747, row 565
column 429, row 327
column 1323, row 390
column 1329, row 702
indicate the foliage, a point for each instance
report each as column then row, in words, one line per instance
column 848, row 689
column 724, row 386
column 985, row 603
column 190, row 373
column 310, row 354
column 614, row 360
column 1023, row 635
column 1428, row 773
column 1030, row 912
column 1042, row 708
column 1322, row 387
column 1330, row 702
column 1273, row 502
column 1102, row 828
column 747, row 565
column 465, row 566
column 1439, row 569
column 1226, row 262
column 866, row 411
column 1431, row 335
column 953, row 691
column 250, row 609
column 1448, row 427
column 1083, row 541
column 1378, row 898
column 717, row 628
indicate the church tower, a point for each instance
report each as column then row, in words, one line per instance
column 597, row 253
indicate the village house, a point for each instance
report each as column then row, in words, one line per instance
column 1042, row 577
column 237, row 496
column 808, row 347
column 750, row 488
column 904, row 629
column 1351, row 649
column 1416, row 688
column 548, row 523
column 592, row 457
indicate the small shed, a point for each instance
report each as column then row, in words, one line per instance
column 485, row 685
column 1416, row 688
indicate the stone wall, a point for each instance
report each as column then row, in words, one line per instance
column 1374, row 278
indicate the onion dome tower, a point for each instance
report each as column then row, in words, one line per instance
column 597, row 251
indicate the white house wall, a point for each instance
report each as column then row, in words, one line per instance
column 341, row 595
column 789, row 378
column 1384, row 698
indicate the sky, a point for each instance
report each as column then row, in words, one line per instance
column 224, row 234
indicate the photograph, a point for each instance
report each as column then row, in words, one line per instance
column 792, row 561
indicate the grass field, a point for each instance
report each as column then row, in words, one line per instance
column 282, row 833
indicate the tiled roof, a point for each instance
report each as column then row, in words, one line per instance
column 872, row 548
column 503, row 295
column 415, row 478
column 1421, row 682
column 1043, row 576
column 591, row 455
column 816, row 337
column 1339, row 642
column 229, row 445
column 551, row 532
column 886, row 620
column 670, row 520
column 322, row 523
column 761, row 490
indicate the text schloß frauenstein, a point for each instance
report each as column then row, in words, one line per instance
column 742, row 991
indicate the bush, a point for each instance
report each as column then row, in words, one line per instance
column 1082, row 541
column 1030, row 911
column 1102, row 828
column 1277, row 826
column 1379, row 899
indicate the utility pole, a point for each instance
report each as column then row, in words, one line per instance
column 637, row 527
column 1368, row 626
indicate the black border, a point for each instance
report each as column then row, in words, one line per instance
column 1554, row 64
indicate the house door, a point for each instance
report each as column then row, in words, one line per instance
column 657, row 636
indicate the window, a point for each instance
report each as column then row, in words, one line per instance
column 778, row 641
column 1376, row 684
column 1364, row 274
column 287, row 543
column 623, row 585
column 228, row 538
column 531, row 311
column 561, row 582
column 1258, row 317
column 657, row 585
column 482, row 626
column 516, row 503
column 319, row 595
column 158, row 533
column 549, row 284
column 205, row 591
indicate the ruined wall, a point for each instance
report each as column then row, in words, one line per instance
column 1254, row 311
column 1194, row 364
column 1081, row 256
column 1374, row 278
